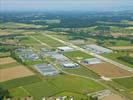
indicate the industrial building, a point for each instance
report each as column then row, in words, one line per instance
column 59, row 57
column 91, row 61
column 26, row 54
column 65, row 49
column 70, row 65
column 46, row 69
column 97, row 49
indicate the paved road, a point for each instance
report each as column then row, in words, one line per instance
column 93, row 54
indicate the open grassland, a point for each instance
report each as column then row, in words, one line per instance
column 11, row 84
column 77, row 55
column 49, row 41
column 125, row 82
column 14, row 72
column 115, row 56
column 54, row 85
column 109, row 70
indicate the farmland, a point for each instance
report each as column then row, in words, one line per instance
column 125, row 82
column 115, row 56
column 111, row 70
column 14, row 72
column 55, row 85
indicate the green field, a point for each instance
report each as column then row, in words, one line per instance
column 114, row 56
column 83, row 71
column 122, row 43
column 54, row 85
column 51, row 42
column 28, row 41
column 19, row 82
column 125, row 82
column 18, row 92
column 77, row 54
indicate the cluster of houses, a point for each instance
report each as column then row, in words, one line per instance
column 26, row 54
column 97, row 49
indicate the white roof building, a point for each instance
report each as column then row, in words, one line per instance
column 97, row 49
column 65, row 48
column 91, row 61
column 70, row 65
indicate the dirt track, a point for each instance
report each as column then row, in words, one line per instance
column 109, row 70
column 14, row 72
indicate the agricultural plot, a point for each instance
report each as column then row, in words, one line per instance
column 115, row 57
column 49, row 41
column 14, row 72
column 18, row 82
column 58, row 84
column 122, row 47
column 109, row 70
column 4, row 32
column 6, row 60
column 125, row 82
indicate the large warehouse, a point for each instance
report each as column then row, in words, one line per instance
column 46, row 69
column 70, row 65
column 91, row 61
column 97, row 49
column 65, row 48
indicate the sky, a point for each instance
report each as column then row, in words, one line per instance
column 65, row 5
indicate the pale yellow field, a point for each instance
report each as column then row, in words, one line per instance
column 6, row 60
column 4, row 32
column 14, row 72
column 121, row 47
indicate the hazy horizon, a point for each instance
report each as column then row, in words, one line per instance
column 66, row 5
